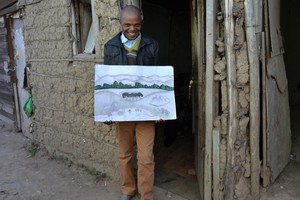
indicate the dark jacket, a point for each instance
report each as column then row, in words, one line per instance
column 115, row 53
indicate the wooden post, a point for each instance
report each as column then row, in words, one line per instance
column 232, row 98
column 254, row 96
column 198, row 73
column 209, row 94
column 216, row 163
column 265, row 169
column 95, row 24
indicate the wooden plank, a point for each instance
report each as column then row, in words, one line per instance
column 258, row 7
column 10, row 49
column 232, row 98
column 3, row 51
column 197, row 30
column 254, row 96
column 6, row 3
column 96, row 29
column 6, row 96
column 209, row 93
column 13, row 78
column 6, row 118
column 265, row 173
column 2, row 38
column 27, row 2
column 274, row 26
column 3, row 45
column 4, row 58
column 216, row 163
column 8, row 108
column 6, row 93
column 10, row 9
column 3, row 31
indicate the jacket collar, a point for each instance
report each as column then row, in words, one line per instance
column 116, row 41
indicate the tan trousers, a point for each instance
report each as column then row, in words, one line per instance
column 145, row 134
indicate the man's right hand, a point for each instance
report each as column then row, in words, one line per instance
column 108, row 122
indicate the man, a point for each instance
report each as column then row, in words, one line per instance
column 130, row 47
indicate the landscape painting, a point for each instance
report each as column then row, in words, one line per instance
column 134, row 93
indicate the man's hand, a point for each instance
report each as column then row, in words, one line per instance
column 160, row 121
column 108, row 122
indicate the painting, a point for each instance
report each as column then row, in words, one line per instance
column 134, row 93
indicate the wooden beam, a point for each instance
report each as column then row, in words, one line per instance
column 232, row 98
column 209, row 93
column 254, row 96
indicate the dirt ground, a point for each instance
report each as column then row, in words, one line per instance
column 40, row 177
column 23, row 177
column 286, row 187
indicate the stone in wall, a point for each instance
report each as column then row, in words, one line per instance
column 243, row 102
column 224, row 96
column 242, row 65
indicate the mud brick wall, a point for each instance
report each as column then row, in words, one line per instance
column 108, row 12
column 63, row 89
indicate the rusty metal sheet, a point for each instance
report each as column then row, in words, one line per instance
column 278, row 125
column 276, row 70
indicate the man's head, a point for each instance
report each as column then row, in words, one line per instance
column 131, row 22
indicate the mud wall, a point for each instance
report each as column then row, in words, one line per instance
column 240, row 150
column 63, row 85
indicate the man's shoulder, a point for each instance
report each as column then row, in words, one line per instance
column 147, row 40
column 115, row 40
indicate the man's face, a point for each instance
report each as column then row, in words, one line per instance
column 131, row 25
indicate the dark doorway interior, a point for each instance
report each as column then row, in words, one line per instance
column 169, row 23
column 290, row 30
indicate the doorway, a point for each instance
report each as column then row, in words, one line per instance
column 290, row 16
column 169, row 22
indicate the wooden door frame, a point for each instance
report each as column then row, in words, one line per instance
column 198, row 77
column 8, row 24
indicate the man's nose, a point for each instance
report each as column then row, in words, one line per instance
column 131, row 27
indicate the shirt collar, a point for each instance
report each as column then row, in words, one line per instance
column 129, row 43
